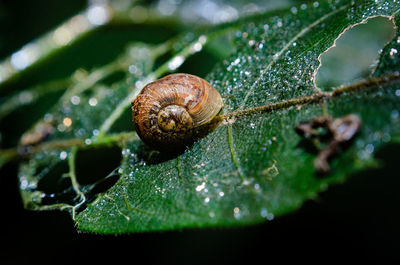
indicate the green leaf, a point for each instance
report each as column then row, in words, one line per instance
column 253, row 167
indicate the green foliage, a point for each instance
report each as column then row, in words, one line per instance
column 254, row 166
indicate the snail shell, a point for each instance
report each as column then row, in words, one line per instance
column 173, row 111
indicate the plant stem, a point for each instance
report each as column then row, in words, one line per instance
column 113, row 139
column 314, row 97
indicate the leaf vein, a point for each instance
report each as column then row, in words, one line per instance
column 290, row 42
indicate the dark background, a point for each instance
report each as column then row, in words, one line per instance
column 357, row 221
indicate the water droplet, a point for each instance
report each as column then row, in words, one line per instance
column 25, row 97
column 369, row 148
column 132, row 69
column 48, row 117
column 75, row 100
column 93, row 102
column 270, row 216
column 98, row 14
column 197, row 46
column 201, row 186
column 176, row 62
column 393, row 51
column 67, row 121
column 386, row 137
column 23, row 183
column 61, row 127
column 63, row 155
column 24, row 57
column 394, row 114
column 236, row 212
column 264, row 212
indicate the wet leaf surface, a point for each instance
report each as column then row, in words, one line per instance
column 254, row 166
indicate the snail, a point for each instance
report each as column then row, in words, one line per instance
column 174, row 111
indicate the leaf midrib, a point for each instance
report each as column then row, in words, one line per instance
column 379, row 82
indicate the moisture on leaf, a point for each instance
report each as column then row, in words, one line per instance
column 254, row 166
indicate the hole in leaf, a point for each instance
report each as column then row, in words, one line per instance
column 94, row 165
column 97, row 171
column 93, row 169
column 53, row 181
column 55, row 187
column 355, row 53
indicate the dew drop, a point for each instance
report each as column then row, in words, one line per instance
column 67, row 121
column 369, row 148
column 75, row 100
column 48, row 117
column 264, row 212
column 132, row 69
column 63, row 155
column 394, row 114
column 98, row 14
column 197, row 46
column 175, row 62
column 236, row 212
column 393, row 52
column 61, row 127
column 93, row 102
column 386, row 137
column 201, row 186
column 25, row 97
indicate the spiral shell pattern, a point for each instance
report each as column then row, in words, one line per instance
column 168, row 111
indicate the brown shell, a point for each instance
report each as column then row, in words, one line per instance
column 187, row 93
